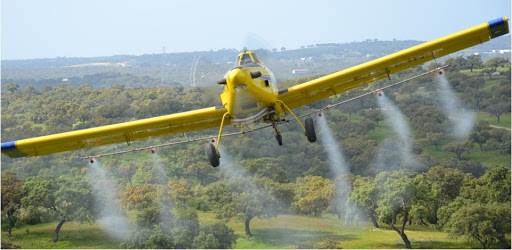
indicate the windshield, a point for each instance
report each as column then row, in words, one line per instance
column 248, row 58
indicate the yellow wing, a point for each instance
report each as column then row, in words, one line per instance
column 123, row 132
column 377, row 69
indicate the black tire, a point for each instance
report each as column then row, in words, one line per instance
column 211, row 154
column 310, row 130
column 279, row 139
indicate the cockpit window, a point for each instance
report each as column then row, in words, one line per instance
column 256, row 59
column 248, row 58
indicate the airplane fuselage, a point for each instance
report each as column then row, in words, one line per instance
column 250, row 93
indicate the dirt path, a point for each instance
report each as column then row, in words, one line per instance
column 499, row 127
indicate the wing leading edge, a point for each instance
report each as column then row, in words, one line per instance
column 380, row 68
column 116, row 133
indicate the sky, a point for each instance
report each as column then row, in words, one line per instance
column 89, row 28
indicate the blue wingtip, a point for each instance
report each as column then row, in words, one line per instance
column 498, row 27
column 8, row 145
column 9, row 149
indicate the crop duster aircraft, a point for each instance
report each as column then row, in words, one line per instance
column 251, row 95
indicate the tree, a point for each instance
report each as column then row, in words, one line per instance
column 399, row 194
column 498, row 185
column 11, row 196
column 313, row 195
column 157, row 227
column 480, row 133
column 457, row 79
column 474, row 61
column 498, row 108
column 11, row 87
column 365, row 195
column 139, row 196
column 435, row 138
column 360, row 149
column 448, row 181
column 127, row 171
column 374, row 115
column 458, row 148
column 445, row 212
column 495, row 62
column 480, row 96
column 242, row 198
column 485, row 223
column 408, row 88
column 175, row 193
column 493, row 186
column 200, row 170
column 70, row 198
column 271, row 168
column 488, row 72
column 474, row 189
column 443, row 186
column 473, row 84
column 216, row 236
column 458, row 63
column 427, row 119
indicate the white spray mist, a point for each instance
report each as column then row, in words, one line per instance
column 463, row 120
column 112, row 220
column 161, row 177
column 401, row 129
column 340, row 169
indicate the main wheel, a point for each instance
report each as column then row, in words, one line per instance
column 310, row 130
column 279, row 139
column 212, row 155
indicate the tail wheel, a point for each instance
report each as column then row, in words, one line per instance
column 310, row 130
column 279, row 139
column 211, row 153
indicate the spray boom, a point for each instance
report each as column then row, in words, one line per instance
column 378, row 92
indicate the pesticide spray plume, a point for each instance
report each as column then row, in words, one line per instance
column 230, row 168
column 112, row 220
column 339, row 167
column 400, row 126
column 158, row 167
column 462, row 119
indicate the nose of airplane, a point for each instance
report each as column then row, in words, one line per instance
column 237, row 77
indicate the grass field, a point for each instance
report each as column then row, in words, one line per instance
column 287, row 231
column 493, row 120
column 72, row 235
column 283, row 231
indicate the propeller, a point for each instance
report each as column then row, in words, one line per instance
column 254, row 74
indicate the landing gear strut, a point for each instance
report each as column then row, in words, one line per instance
column 212, row 152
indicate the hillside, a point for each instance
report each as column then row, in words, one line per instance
column 204, row 68
column 420, row 160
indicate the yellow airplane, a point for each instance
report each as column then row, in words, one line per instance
column 251, row 94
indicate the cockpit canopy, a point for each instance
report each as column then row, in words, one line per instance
column 247, row 58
